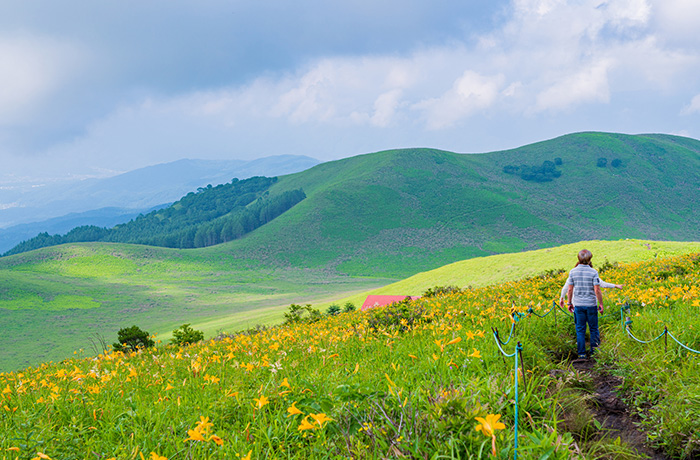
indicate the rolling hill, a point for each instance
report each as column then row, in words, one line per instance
column 400, row 212
column 396, row 213
column 366, row 221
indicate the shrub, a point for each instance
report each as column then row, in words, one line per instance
column 302, row 314
column 441, row 291
column 333, row 310
column 186, row 335
column 399, row 316
column 349, row 306
column 616, row 163
column 602, row 162
column 558, row 161
column 131, row 339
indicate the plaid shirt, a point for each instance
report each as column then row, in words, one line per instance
column 583, row 278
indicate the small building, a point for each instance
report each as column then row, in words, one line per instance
column 381, row 300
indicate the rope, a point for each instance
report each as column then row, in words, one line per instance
column 679, row 343
column 530, row 311
column 626, row 324
column 627, row 328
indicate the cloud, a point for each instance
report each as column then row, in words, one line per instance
column 34, row 68
column 554, row 65
column 693, row 107
column 590, row 84
column 470, row 93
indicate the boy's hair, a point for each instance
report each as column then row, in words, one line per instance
column 584, row 257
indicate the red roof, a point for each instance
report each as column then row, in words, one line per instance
column 381, row 300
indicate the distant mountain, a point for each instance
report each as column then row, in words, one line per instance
column 210, row 216
column 105, row 217
column 139, row 189
column 400, row 212
column 107, row 202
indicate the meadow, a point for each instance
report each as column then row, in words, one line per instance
column 421, row 379
column 86, row 292
column 55, row 301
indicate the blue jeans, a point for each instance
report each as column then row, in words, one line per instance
column 583, row 316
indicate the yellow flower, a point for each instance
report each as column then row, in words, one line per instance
column 489, row 424
column 203, row 424
column 285, row 383
column 306, row 425
column 41, row 456
column 247, row 457
column 155, row 456
column 454, row 341
column 321, row 419
column 194, row 435
column 475, row 354
column 293, row 410
column 216, row 439
column 262, row 401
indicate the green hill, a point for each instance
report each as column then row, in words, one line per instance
column 400, row 212
column 366, row 221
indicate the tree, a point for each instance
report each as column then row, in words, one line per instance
column 132, row 339
column 185, row 335
column 602, row 162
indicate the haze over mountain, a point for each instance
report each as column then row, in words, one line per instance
column 107, row 202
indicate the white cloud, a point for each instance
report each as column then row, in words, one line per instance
column 32, row 69
column 588, row 85
column 470, row 93
column 693, row 107
column 547, row 60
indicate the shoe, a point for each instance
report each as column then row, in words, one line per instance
column 580, row 359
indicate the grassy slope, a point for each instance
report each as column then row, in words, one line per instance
column 53, row 299
column 397, row 213
column 398, row 382
column 382, row 216
column 484, row 271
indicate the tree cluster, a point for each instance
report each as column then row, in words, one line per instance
column 545, row 172
column 210, row 216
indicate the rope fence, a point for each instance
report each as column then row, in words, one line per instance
column 516, row 316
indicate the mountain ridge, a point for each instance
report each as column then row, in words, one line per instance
column 398, row 212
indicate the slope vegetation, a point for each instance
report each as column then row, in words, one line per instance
column 400, row 212
column 397, row 213
column 418, row 378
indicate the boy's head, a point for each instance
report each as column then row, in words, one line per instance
column 584, row 257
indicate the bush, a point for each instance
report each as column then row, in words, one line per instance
column 186, row 335
column 299, row 314
column 616, row 163
column 438, row 291
column 349, row 306
column 398, row 316
column 602, row 162
column 558, row 161
column 132, row 339
column 333, row 310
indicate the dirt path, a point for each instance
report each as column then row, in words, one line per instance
column 612, row 413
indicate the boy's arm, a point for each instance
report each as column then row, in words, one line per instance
column 570, row 295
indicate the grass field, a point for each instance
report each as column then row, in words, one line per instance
column 422, row 379
column 484, row 271
column 55, row 299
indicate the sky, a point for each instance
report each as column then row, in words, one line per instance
column 92, row 88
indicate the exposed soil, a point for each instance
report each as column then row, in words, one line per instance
column 612, row 413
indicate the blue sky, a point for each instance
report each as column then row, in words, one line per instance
column 96, row 88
